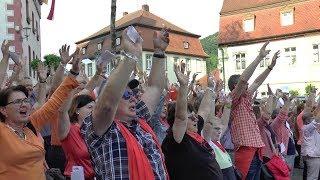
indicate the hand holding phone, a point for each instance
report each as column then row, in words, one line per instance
column 133, row 34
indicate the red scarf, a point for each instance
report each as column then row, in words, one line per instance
column 219, row 146
column 138, row 162
column 196, row 137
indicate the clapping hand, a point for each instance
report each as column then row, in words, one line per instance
column 274, row 59
column 5, row 48
column 42, row 72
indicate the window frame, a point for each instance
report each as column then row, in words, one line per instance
column 148, row 61
column 89, row 68
column 240, row 61
column 284, row 21
column 316, row 53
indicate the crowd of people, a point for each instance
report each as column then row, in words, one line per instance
column 133, row 126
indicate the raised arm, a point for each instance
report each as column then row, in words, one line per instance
column 179, row 127
column 5, row 60
column 207, row 109
column 97, row 78
column 42, row 90
column 50, row 109
column 156, row 83
column 225, row 118
column 64, row 119
column 107, row 104
column 260, row 79
column 247, row 73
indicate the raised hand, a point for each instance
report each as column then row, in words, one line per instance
column 263, row 52
column 76, row 61
column 42, row 72
column 133, row 49
column 182, row 78
column 64, row 54
column 274, row 59
column 194, row 77
column 161, row 40
column 5, row 48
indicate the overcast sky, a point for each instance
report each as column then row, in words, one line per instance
column 77, row 19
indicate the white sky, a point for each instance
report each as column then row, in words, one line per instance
column 77, row 19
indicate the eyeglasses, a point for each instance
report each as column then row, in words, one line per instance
column 20, row 101
column 127, row 95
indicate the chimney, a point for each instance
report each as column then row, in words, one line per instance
column 125, row 13
column 145, row 7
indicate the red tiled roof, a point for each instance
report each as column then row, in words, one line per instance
column 236, row 5
column 143, row 18
column 146, row 23
column 268, row 25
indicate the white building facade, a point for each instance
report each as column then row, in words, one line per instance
column 288, row 27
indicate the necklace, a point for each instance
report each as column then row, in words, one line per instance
column 20, row 135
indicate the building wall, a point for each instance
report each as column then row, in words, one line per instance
column 6, row 22
column 197, row 65
column 286, row 75
column 32, row 41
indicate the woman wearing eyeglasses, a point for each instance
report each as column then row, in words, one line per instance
column 22, row 152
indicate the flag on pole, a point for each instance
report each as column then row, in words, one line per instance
column 51, row 13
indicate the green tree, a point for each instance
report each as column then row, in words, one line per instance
column 309, row 88
column 34, row 64
column 52, row 60
column 294, row 93
column 210, row 46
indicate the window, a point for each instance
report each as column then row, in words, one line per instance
column 199, row 66
column 188, row 64
column 148, row 61
column 99, row 46
column 240, row 61
column 290, row 54
column 108, row 68
column 27, row 12
column 316, row 54
column 185, row 45
column 265, row 62
column 33, row 29
column 118, row 41
column 248, row 25
column 287, row 18
column 90, row 69
column 84, row 50
column 38, row 31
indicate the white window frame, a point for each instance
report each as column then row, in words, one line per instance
column 84, row 50
column 89, row 66
column 99, row 46
column 188, row 63
column 186, row 45
column 249, row 24
column 240, row 60
column 109, row 68
column 291, row 55
column 118, row 41
column 287, row 17
column 148, row 61
column 316, row 53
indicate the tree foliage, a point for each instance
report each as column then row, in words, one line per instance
column 309, row 88
column 294, row 93
column 34, row 63
column 52, row 60
column 210, row 46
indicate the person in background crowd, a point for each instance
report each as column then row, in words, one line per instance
column 121, row 145
column 244, row 129
column 187, row 154
column 22, row 155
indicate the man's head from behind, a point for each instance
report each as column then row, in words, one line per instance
column 233, row 81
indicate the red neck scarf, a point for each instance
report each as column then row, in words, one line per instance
column 138, row 162
column 196, row 137
column 219, row 146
